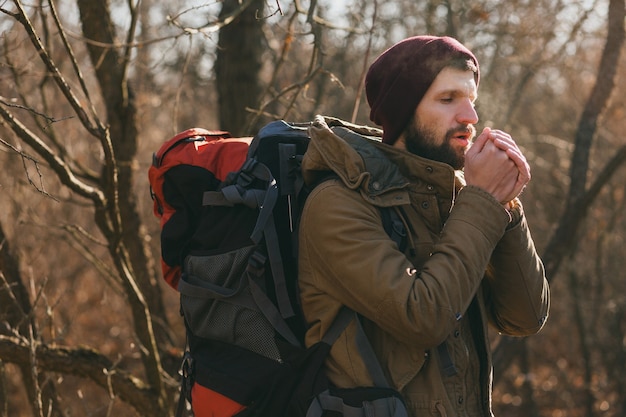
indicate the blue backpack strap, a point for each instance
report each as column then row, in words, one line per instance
column 394, row 226
column 364, row 346
column 369, row 357
column 445, row 360
column 241, row 193
column 264, row 200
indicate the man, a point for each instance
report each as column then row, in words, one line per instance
column 469, row 259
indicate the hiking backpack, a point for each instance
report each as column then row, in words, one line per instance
column 229, row 211
column 184, row 166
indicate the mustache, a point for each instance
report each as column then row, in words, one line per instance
column 468, row 131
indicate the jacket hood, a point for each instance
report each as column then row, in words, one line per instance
column 362, row 162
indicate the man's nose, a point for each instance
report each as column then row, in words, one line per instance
column 467, row 113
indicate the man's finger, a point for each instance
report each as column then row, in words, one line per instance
column 480, row 141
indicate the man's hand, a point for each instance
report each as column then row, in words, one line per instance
column 495, row 163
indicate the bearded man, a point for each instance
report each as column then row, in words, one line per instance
column 469, row 260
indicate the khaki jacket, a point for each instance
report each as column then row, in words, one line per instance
column 466, row 265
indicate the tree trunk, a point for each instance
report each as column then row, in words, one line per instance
column 238, row 65
column 565, row 233
column 579, row 196
column 121, row 118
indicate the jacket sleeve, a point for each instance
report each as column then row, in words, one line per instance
column 517, row 294
column 346, row 257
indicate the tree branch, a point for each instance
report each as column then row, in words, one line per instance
column 70, row 53
column 57, row 164
column 210, row 27
column 598, row 100
column 579, row 198
column 22, row 18
column 119, row 142
column 82, row 362
column 366, row 57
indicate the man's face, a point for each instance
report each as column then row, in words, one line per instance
column 443, row 123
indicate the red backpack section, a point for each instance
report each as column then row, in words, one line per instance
column 192, row 162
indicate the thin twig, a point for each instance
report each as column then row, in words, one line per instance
column 78, row 234
column 25, row 157
column 49, row 119
column 287, row 41
column 23, row 19
column 180, row 89
column 210, row 27
column 61, row 168
column 134, row 13
column 359, row 90
column 72, row 56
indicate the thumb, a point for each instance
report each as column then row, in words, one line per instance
column 481, row 140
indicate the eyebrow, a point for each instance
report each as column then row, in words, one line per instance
column 455, row 92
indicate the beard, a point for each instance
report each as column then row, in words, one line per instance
column 422, row 141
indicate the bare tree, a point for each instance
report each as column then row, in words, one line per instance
column 238, row 64
column 107, row 117
column 580, row 197
column 111, row 68
column 109, row 192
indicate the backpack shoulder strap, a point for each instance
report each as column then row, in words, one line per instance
column 340, row 323
column 394, row 226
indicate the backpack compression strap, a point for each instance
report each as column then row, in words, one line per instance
column 366, row 350
column 243, row 192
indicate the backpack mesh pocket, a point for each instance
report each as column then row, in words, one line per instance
column 217, row 302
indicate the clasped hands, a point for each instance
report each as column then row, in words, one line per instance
column 495, row 163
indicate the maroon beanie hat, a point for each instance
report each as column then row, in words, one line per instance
column 400, row 76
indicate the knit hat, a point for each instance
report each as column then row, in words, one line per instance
column 400, row 76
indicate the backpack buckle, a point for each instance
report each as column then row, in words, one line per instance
column 187, row 372
column 256, row 264
column 246, row 175
column 186, row 367
column 244, row 179
column 257, row 259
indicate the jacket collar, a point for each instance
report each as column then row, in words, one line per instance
column 382, row 174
